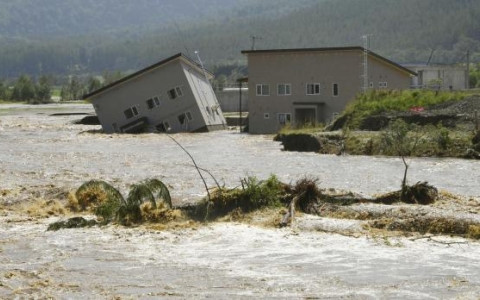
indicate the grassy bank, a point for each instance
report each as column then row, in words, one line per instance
column 381, row 101
column 440, row 124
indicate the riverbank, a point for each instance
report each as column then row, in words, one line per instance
column 443, row 129
column 455, row 144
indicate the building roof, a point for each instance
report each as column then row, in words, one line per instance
column 331, row 49
column 146, row 70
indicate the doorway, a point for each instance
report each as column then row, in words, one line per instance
column 305, row 116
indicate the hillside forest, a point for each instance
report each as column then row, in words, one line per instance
column 65, row 41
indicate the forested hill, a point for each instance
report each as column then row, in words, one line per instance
column 91, row 36
column 34, row 18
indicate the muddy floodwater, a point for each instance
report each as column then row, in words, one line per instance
column 221, row 260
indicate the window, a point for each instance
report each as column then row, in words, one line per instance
column 371, row 84
column 166, row 125
column 335, row 89
column 266, row 116
column 150, row 104
column 131, row 112
column 175, row 93
column 382, row 84
column 179, row 91
column 185, row 118
column 284, row 89
column 313, row 88
column 284, row 118
column 160, row 127
column 153, row 102
column 134, row 110
column 263, row 90
column 182, row 118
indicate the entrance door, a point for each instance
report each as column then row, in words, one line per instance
column 305, row 116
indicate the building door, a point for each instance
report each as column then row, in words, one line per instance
column 305, row 116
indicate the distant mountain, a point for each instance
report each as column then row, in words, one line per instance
column 54, row 18
column 91, row 36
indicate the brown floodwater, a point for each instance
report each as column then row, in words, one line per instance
column 221, row 260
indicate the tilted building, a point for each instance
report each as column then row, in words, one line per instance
column 173, row 95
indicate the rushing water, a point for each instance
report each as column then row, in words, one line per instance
column 221, row 260
column 37, row 148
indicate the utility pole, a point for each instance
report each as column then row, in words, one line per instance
column 430, row 57
column 467, row 83
column 254, row 38
column 366, row 46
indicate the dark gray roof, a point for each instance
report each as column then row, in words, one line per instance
column 142, row 71
column 331, row 49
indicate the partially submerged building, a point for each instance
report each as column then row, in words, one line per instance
column 172, row 95
column 309, row 86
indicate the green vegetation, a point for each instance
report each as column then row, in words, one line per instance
column 253, row 195
column 149, row 201
column 305, row 129
column 71, row 37
column 475, row 75
column 401, row 139
column 107, row 202
column 382, row 101
column 25, row 89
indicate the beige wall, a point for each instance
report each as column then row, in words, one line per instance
column 299, row 68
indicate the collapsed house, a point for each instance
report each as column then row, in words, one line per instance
column 173, row 95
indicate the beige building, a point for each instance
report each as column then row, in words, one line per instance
column 309, row 86
column 172, row 95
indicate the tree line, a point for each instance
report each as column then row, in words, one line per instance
column 42, row 89
column 403, row 31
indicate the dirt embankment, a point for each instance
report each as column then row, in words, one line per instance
column 459, row 118
column 451, row 114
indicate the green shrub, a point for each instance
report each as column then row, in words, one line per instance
column 443, row 137
column 106, row 202
column 378, row 101
column 99, row 197
column 253, row 194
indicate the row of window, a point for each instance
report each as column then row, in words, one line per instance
column 153, row 102
column 175, row 93
column 183, row 119
column 283, row 118
column 381, row 84
column 285, row 89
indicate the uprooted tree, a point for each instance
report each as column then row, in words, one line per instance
column 107, row 202
column 401, row 138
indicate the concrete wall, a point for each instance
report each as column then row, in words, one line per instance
column 111, row 104
column 440, row 77
column 229, row 99
column 327, row 68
